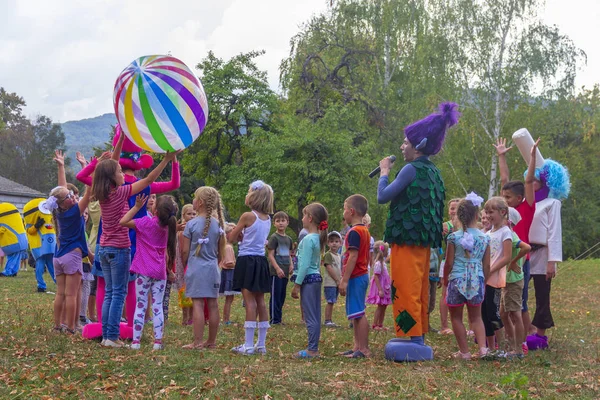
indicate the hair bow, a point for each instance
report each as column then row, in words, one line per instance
column 203, row 241
column 382, row 248
column 52, row 203
column 467, row 241
column 256, row 185
column 221, row 231
column 474, row 198
column 323, row 226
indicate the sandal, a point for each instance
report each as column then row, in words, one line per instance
column 357, row 354
column 209, row 346
column 462, row 356
column 446, row 331
column 303, row 354
column 346, row 353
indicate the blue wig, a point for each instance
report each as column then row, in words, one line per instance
column 556, row 177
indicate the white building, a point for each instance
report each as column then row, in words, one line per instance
column 16, row 194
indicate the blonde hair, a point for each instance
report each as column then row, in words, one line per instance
column 260, row 197
column 214, row 207
column 367, row 219
column 499, row 204
column 228, row 228
column 185, row 209
column 381, row 255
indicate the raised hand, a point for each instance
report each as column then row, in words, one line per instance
column 81, row 159
column 140, row 200
column 501, row 148
column 105, row 156
column 59, row 157
column 534, row 150
column 172, row 156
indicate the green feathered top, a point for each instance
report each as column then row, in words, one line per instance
column 416, row 215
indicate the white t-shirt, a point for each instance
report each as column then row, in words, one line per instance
column 497, row 238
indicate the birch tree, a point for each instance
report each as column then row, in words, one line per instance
column 505, row 55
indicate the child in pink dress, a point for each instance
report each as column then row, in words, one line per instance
column 380, row 292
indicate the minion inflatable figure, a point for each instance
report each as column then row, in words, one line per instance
column 13, row 239
column 42, row 239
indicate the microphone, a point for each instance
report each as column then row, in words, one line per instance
column 378, row 169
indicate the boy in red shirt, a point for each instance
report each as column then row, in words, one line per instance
column 521, row 197
column 355, row 278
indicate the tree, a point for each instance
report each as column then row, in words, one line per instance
column 27, row 148
column 505, row 55
column 240, row 105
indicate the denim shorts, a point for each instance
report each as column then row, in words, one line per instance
column 454, row 298
column 331, row 294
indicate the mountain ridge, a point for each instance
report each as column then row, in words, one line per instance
column 85, row 134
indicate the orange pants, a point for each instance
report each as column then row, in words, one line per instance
column 410, row 289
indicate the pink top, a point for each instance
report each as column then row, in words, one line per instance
column 151, row 242
column 113, row 209
column 85, row 176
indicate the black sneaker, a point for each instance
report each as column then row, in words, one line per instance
column 40, row 290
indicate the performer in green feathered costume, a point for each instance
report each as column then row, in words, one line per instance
column 413, row 227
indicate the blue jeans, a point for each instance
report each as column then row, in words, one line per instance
column 44, row 261
column 115, row 264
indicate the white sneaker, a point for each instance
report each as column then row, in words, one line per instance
column 117, row 344
column 135, row 346
column 242, row 349
column 157, row 346
column 102, row 342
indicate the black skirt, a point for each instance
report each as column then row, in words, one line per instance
column 251, row 273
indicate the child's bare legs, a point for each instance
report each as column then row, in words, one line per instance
column 213, row 323
column 528, row 328
column 361, row 335
column 328, row 311
column 59, row 300
column 443, row 311
column 381, row 309
column 198, row 324
column 476, row 324
column 72, row 288
column 261, row 307
column 250, row 301
column 518, row 335
column 460, row 333
column 227, row 308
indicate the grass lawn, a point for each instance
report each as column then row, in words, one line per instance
column 37, row 363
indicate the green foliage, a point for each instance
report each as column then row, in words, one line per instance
column 519, row 382
column 27, row 147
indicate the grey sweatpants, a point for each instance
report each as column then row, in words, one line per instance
column 310, row 299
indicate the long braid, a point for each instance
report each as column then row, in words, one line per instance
column 210, row 206
column 222, row 237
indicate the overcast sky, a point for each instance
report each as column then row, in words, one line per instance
column 63, row 56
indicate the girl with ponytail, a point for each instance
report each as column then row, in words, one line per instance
column 155, row 241
column 308, row 279
column 467, row 266
column 203, row 247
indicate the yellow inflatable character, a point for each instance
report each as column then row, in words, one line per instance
column 13, row 239
column 42, row 238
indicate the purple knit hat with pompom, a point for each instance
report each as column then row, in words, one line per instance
column 428, row 134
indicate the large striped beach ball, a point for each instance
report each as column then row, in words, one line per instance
column 160, row 104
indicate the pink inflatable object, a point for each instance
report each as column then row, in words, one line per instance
column 94, row 330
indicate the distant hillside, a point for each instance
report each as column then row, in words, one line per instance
column 85, row 134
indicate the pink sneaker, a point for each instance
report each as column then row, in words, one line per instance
column 525, row 349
